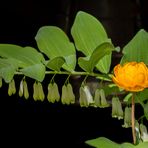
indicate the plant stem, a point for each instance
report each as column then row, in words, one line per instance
column 133, row 119
column 67, row 73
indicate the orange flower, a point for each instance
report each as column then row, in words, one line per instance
column 131, row 76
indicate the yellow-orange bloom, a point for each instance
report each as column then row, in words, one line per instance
column 131, row 76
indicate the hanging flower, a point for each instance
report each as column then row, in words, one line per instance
column 131, row 76
column 68, row 96
column 53, row 93
column 85, row 98
column 127, row 117
column 117, row 111
column 11, row 88
column 144, row 133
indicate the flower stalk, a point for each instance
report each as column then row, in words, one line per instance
column 133, row 119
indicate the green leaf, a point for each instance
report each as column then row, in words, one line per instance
column 53, row 42
column 146, row 110
column 87, row 33
column 136, row 49
column 142, row 145
column 102, row 142
column 88, row 64
column 128, row 97
column 127, row 145
column 56, row 63
column 141, row 96
column 7, row 69
column 36, row 71
column 26, row 56
column 104, row 64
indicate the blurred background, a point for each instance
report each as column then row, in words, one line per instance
column 26, row 122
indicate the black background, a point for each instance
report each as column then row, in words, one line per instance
column 29, row 123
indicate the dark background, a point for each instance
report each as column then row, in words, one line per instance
column 29, row 123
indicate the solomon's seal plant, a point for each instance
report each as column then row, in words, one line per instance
column 120, row 89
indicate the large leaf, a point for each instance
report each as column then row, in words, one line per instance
column 53, row 42
column 36, row 71
column 25, row 55
column 56, row 63
column 136, row 49
column 87, row 33
column 88, row 64
column 8, row 68
column 142, row 145
column 102, row 142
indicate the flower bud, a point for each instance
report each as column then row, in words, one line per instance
column 144, row 133
column 70, row 93
column 104, row 102
column 21, row 89
column 127, row 117
column 1, row 82
column 64, row 97
column 97, row 98
column 56, row 92
column 11, row 88
column 117, row 111
column 41, row 95
column 35, row 91
column 50, row 95
column 26, row 93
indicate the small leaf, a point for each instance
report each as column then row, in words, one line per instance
column 36, row 71
column 127, row 97
column 56, row 63
column 88, row 64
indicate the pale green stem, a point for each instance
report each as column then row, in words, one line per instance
column 67, row 73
